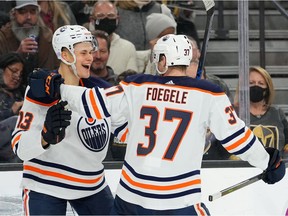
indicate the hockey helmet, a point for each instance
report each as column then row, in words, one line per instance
column 176, row 48
column 69, row 35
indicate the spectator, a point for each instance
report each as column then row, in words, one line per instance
column 267, row 121
column 122, row 55
column 82, row 10
column 99, row 66
column 29, row 37
column 63, row 161
column 133, row 15
column 4, row 20
column 11, row 100
column 6, row 153
column 157, row 25
column 56, row 13
column 12, row 71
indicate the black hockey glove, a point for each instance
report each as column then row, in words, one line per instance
column 276, row 168
column 45, row 83
column 57, row 120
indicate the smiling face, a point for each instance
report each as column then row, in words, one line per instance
column 83, row 53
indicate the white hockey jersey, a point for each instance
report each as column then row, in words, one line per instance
column 71, row 169
column 167, row 119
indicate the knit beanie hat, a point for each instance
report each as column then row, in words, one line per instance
column 157, row 23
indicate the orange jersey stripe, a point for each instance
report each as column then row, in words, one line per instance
column 15, row 140
column 61, row 176
column 199, row 208
column 123, row 137
column 94, row 105
column 239, row 142
column 158, row 187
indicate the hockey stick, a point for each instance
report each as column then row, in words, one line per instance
column 210, row 8
column 238, row 186
column 235, row 187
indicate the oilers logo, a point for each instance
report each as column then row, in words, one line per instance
column 94, row 134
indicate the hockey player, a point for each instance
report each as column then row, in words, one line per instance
column 63, row 162
column 168, row 117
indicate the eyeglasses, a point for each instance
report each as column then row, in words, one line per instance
column 103, row 16
column 15, row 72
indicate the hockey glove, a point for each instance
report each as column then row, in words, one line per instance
column 57, row 120
column 276, row 168
column 45, row 83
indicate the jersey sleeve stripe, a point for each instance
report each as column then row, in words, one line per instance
column 94, row 105
column 124, row 136
column 15, row 140
column 231, row 137
column 102, row 103
column 240, row 141
column 246, row 147
column 86, row 107
column 119, row 129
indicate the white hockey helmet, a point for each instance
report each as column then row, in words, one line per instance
column 69, row 35
column 176, row 48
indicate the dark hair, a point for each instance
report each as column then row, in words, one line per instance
column 103, row 35
column 124, row 74
column 12, row 58
column 4, row 18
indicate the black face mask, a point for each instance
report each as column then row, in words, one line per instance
column 107, row 25
column 257, row 93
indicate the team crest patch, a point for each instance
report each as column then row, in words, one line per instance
column 94, row 134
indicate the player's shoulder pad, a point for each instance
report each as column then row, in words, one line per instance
column 93, row 81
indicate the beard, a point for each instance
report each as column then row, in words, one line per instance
column 97, row 70
column 24, row 32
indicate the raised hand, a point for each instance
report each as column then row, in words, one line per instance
column 45, row 83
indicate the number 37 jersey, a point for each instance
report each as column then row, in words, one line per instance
column 167, row 119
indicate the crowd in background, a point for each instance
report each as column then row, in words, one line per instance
column 126, row 32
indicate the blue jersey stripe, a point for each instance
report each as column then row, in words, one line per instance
column 62, row 185
column 66, row 168
column 85, row 105
column 161, row 196
column 102, row 103
column 160, row 179
column 248, row 146
column 231, row 137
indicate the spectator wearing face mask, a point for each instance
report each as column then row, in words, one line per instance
column 267, row 121
column 134, row 15
column 122, row 55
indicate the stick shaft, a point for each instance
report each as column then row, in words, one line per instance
column 209, row 6
column 235, row 187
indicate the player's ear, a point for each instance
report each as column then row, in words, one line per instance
column 66, row 55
